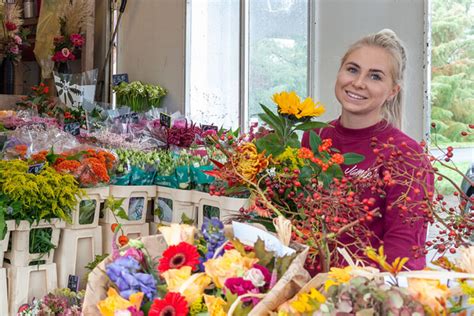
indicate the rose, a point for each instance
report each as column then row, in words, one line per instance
column 10, row 26
column 14, row 50
column 77, row 40
column 18, row 39
column 255, row 276
column 66, row 52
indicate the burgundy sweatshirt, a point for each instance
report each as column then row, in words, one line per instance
column 398, row 237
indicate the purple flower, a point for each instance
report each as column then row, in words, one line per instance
column 239, row 286
column 124, row 273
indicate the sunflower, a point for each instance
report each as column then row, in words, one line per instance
column 289, row 103
column 179, row 256
column 172, row 304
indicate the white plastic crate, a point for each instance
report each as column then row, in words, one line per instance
column 4, row 241
column 138, row 196
column 3, row 292
column 223, row 206
column 173, row 204
column 131, row 231
column 19, row 255
column 26, row 283
column 95, row 195
column 78, row 247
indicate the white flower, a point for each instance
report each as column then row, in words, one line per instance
column 176, row 233
column 465, row 261
column 255, row 276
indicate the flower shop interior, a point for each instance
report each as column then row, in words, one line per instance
column 237, row 157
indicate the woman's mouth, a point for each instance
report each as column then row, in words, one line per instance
column 355, row 96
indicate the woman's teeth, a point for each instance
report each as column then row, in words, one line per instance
column 355, row 96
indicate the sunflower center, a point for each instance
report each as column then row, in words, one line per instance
column 168, row 311
column 177, row 261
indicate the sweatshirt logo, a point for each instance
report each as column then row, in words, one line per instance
column 355, row 172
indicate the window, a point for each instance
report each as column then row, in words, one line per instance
column 239, row 53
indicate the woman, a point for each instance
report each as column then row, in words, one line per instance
column 369, row 88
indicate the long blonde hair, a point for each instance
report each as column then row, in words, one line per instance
column 388, row 40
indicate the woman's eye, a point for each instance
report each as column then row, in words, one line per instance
column 352, row 69
column 375, row 77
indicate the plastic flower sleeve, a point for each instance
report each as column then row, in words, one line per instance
column 73, row 89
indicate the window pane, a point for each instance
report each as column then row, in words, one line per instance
column 213, row 68
column 278, row 37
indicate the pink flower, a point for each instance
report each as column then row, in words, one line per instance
column 135, row 254
column 14, row 50
column 77, row 40
column 66, row 52
column 239, row 286
column 18, row 39
column 266, row 274
column 59, row 57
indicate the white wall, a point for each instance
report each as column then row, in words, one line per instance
column 152, row 46
column 341, row 22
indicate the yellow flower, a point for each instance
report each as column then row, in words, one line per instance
column 469, row 291
column 381, row 259
column 338, row 276
column 193, row 289
column 114, row 302
column 176, row 233
column 290, row 157
column 215, row 305
column 430, row 293
column 231, row 264
column 290, row 103
column 306, row 303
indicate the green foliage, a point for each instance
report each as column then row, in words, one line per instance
column 444, row 186
column 138, row 96
column 452, row 68
column 115, row 206
column 46, row 195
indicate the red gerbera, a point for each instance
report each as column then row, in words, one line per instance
column 178, row 256
column 173, row 304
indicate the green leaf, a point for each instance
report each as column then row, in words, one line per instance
column 273, row 124
column 271, row 144
column 283, row 263
column 264, row 256
column 335, row 171
column 273, row 120
column 314, row 141
column 3, row 224
column 120, row 212
column 310, row 126
column 306, row 173
column 240, row 247
column 186, row 220
column 352, row 158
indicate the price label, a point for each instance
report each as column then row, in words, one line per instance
column 209, row 128
column 165, row 120
column 36, row 168
column 119, row 78
column 131, row 117
column 73, row 128
column 73, row 283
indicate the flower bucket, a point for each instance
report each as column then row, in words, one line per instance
column 3, row 292
column 19, row 255
column 86, row 214
column 221, row 207
column 172, row 204
column 288, row 285
column 135, row 203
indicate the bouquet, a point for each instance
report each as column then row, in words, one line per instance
column 211, row 271
column 74, row 17
column 138, row 96
column 13, row 34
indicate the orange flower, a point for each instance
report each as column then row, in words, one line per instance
column 325, row 145
column 92, row 172
column 305, row 153
column 21, row 150
column 40, row 156
column 248, row 162
column 337, row 158
column 67, row 166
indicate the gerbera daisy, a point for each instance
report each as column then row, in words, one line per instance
column 173, row 304
column 175, row 257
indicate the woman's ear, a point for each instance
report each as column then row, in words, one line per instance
column 394, row 92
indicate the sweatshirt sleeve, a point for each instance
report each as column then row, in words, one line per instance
column 305, row 140
column 405, row 230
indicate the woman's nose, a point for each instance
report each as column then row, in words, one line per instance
column 359, row 82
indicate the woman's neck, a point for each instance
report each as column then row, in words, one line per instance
column 358, row 121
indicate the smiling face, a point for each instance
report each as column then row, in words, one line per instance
column 364, row 82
